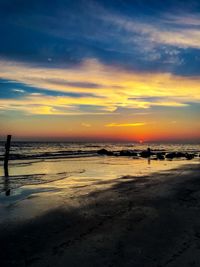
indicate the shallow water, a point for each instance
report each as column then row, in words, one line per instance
column 76, row 173
column 35, row 186
column 93, row 169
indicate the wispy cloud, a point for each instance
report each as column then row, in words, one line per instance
column 183, row 19
column 167, row 31
column 125, row 124
column 121, row 89
column 87, row 125
column 35, row 94
column 18, row 90
column 75, row 84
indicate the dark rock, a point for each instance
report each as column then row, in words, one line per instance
column 128, row 153
column 180, row 154
column 160, row 156
column 170, row 155
column 110, row 153
column 146, row 154
column 134, row 154
column 189, row 156
column 176, row 155
column 105, row 152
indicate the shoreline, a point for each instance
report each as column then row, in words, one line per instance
column 154, row 154
column 139, row 221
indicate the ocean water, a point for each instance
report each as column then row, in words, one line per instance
column 39, row 163
column 52, row 150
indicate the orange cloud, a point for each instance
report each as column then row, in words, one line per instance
column 125, row 124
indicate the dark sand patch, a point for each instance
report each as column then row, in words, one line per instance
column 140, row 222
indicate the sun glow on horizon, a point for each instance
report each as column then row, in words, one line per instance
column 137, row 78
column 122, row 104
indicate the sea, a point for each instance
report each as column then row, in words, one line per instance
column 40, row 163
column 55, row 150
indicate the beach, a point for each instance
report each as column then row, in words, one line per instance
column 149, row 219
column 99, row 133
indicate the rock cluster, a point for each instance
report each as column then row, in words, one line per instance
column 148, row 154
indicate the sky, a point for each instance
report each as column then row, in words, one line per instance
column 98, row 70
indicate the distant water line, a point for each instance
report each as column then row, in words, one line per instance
column 56, row 150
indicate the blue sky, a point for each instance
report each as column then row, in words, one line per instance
column 44, row 42
column 128, row 33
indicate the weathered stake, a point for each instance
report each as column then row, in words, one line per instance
column 6, row 158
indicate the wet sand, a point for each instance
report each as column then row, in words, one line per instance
column 152, row 221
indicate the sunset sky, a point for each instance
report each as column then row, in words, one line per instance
column 100, row 70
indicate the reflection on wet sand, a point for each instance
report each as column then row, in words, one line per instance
column 23, row 173
column 70, row 178
column 7, row 185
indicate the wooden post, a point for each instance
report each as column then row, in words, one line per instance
column 6, row 158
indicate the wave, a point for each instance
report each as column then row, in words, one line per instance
column 50, row 155
column 17, row 181
column 81, row 154
column 40, row 151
